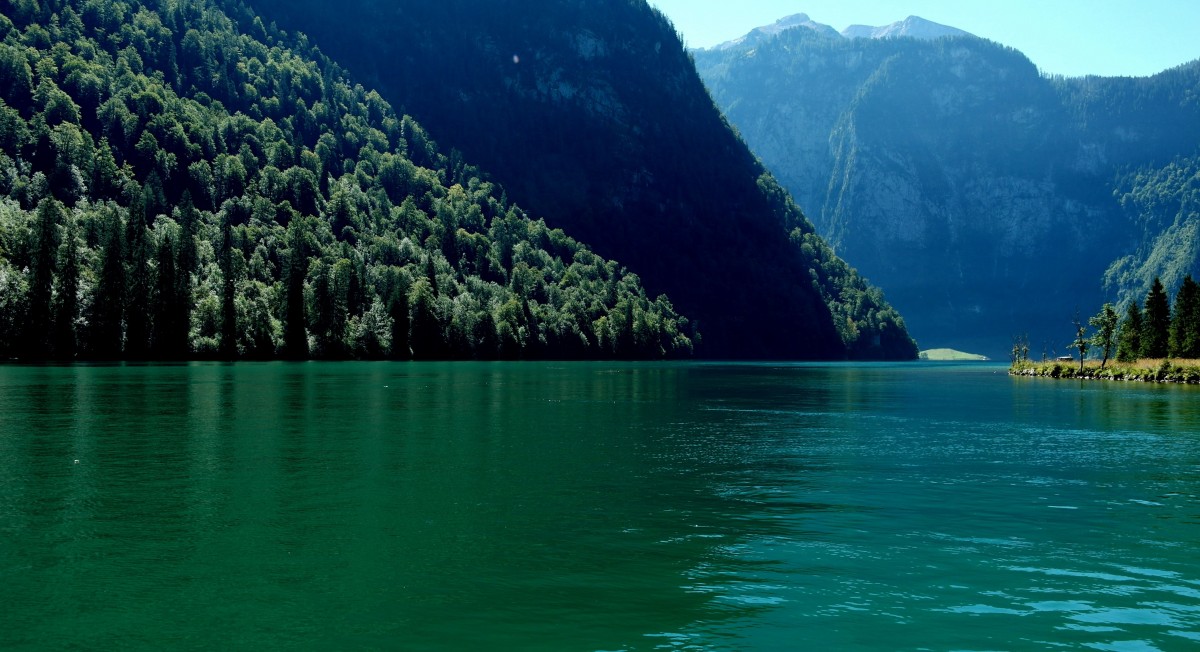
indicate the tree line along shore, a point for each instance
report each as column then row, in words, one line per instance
column 1156, row 341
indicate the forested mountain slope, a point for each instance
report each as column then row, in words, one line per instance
column 178, row 183
column 976, row 191
column 591, row 114
column 1163, row 204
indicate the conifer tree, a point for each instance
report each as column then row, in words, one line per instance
column 1185, row 321
column 67, row 304
column 431, row 276
column 295, row 334
column 321, row 306
column 1156, row 323
column 137, row 334
column 189, row 223
column 171, row 307
column 228, row 344
column 398, row 311
column 108, row 309
column 41, row 282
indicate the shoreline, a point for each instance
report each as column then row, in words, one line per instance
column 1152, row 371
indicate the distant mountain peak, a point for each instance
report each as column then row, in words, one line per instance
column 795, row 21
column 911, row 27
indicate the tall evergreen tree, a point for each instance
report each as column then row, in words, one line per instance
column 67, row 305
column 431, row 276
column 171, row 313
column 107, row 330
column 295, row 333
column 1129, row 339
column 1185, row 321
column 228, row 345
column 189, row 223
column 321, row 306
column 138, row 328
column 41, row 282
column 341, row 279
column 1156, row 324
column 398, row 311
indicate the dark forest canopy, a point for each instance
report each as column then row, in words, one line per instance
column 176, row 183
column 592, row 115
column 181, row 179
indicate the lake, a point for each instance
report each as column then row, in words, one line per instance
column 544, row 506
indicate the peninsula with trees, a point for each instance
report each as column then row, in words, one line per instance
column 1156, row 341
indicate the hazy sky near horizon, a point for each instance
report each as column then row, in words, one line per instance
column 1063, row 37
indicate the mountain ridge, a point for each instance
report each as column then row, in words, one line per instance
column 976, row 190
column 910, row 27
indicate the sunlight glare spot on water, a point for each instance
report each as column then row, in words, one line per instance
column 1061, row 606
column 1125, row 646
column 1126, row 617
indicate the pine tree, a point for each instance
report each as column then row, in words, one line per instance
column 341, row 279
column 1185, row 321
column 320, row 308
column 67, row 305
column 189, row 223
column 41, row 282
column 229, row 339
column 108, row 309
column 431, row 276
column 171, row 308
column 1156, row 323
column 295, row 334
column 398, row 311
column 137, row 334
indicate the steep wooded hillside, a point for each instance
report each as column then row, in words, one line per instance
column 176, row 183
column 1163, row 205
column 592, row 115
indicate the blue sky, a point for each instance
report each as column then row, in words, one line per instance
column 1067, row 37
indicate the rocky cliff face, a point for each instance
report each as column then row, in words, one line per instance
column 975, row 191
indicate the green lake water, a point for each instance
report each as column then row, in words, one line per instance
column 359, row 506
